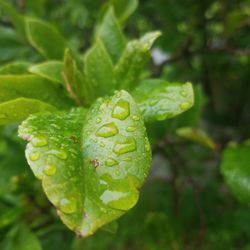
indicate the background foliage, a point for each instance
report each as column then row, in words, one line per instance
column 185, row 203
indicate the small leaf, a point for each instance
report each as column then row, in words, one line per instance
column 133, row 60
column 19, row 109
column 30, row 86
column 51, row 70
column 14, row 68
column 99, row 69
column 236, row 172
column 45, row 38
column 91, row 167
column 197, row 135
column 22, row 238
column 75, row 82
column 160, row 100
column 111, row 35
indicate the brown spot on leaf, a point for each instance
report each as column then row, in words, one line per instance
column 95, row 163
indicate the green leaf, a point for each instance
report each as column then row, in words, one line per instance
column 51, row 70
column 75, row 82
column 19, row 109
column 160, row 100
column 197, row 135
column 10, row 216
column 14, row 68
column 45, row 38
column 91, row 168
column 236, row 172
column 98, row 69
column 30, row 86
column 22, row 238
column 124, row 9
column 133, row 61
column 111, row 35
column 17, row 19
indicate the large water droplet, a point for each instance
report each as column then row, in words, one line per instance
column 121, row 110
column 98, row 120
column 126, row 145
column 49, row 169
column 136, row 118
column 39, row 141
column 68, row 206
column 183, row 93
column 34, row 156
column 111, row 162
column 131, row 129
column 59, row 153
column 107, row 130
column 184, row 105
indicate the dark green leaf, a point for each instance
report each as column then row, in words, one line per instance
column 160, row 100
column 45, row 38
column 91, row 168
column 133, row 61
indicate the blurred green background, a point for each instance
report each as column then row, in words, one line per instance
column 184, row 203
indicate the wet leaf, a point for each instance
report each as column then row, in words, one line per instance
column 91, row 168
column 133, row 60
column 160, row 100
column 51, row 70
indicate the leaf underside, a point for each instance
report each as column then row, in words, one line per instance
column 91, row 165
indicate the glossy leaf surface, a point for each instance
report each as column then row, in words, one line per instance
column 160, row 100
column 91, row 168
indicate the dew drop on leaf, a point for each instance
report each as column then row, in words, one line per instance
column 98, row 120
column 67, row 206
column 111, row 162
column 59, row 153
column 39, row 141
column 34, row 156
column 184, row 105
column 153, row 102
column 49, row 169
column 124, row 146
column 136, row 118
column 121, row 110
column 107, row 130
column 183, row 93
column 131, row 129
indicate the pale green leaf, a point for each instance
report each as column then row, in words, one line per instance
column 133, row 61
column 160, row 100
column 197, row 135
column 30, row 86
column 51, row 70
column 45, row 38
column 111, row 35
column 19, row 109
column 236, row 171
column 91, row 168
column 98, row 69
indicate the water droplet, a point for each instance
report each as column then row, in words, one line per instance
column 39, row 141
column 111, row 162
column 102, row 144
column 117, row 172
column 59, row 153
column 68, row 206
column 184, row 105
column 131, row 129
column 49, row 169
column 98, row 120
column 183, row 93
column 147, row 145
column 34, row 156
column 107, row 130
column 121, row 110
column 127, row 159
column 126, row 145
column 136, row 118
